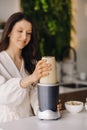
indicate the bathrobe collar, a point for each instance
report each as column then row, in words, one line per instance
column 8, row 63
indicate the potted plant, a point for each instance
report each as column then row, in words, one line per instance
column 53, row 21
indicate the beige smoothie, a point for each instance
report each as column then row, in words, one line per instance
column 52, row 77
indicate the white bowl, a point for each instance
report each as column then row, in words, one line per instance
column 74, row 106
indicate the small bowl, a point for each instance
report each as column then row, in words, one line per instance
column 74, row 106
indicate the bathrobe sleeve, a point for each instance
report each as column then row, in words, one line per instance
column 10, row 91
column 34, row 99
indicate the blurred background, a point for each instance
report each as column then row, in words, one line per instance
column 61, row 27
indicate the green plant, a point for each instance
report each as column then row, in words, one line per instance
column 53, row 21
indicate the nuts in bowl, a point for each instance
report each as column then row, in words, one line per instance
column 74, row 106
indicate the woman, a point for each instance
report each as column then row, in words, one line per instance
column 19, row 69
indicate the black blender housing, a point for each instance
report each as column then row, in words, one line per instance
column 48, row 95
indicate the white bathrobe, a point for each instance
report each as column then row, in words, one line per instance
column 15, row 102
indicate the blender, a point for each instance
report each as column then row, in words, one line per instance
column 48, row 93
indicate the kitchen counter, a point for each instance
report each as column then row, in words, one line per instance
column 68, row 121
column 77, row 85
column 63, row 89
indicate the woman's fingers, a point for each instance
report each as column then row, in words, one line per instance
column 43, row 68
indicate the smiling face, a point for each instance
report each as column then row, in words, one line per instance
column 20, row 34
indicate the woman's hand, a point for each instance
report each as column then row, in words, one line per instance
column 42, row 69
column 59, row 105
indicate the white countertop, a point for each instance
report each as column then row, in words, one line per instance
column 68, row 90
column 68, row 121
column 63, row 89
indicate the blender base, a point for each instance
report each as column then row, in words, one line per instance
column 49, row 115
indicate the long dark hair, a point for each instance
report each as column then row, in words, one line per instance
column 29, row 52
